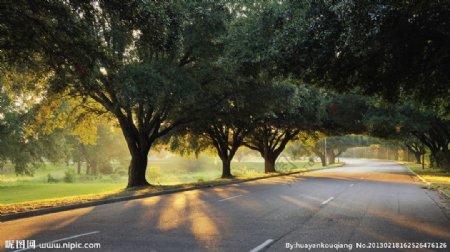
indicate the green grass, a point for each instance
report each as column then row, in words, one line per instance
column 32, row 192
column 437, row 177
column 167, row 173
column 174, row 172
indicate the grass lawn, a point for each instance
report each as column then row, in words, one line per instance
column 438, row 178
column 19, row 194
column 31, row 192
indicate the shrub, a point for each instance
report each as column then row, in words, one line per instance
column 121, row 171
column 51, row 179
column 85, row 178
column 69, row 176
column 115, row 177
column 106, row 169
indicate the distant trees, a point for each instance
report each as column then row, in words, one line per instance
column 416, row 147
column 109, row 147
column 414, row 123
column 21, row 144
column 336, row 145
column 296, row 149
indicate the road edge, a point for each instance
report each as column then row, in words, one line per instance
column 426, row 182
column 43, row 211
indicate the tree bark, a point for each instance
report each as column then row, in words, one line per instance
column 442, row 159
column 418, row 157
column 332, row 157
column 139, row 146
column 321, row 155
column 447, row 159
column 226, row 168
column 79, row 167
column 423, row 161
column 269, row 163
column 93, row 167
column 396, row 156
column 136, row 171
column 323, row 160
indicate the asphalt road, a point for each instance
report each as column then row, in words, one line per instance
column 365, row 202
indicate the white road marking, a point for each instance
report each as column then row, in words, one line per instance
column 262, row 246
column 351, row 185
column 231, row 197
column 62, row 239
column 328, row 200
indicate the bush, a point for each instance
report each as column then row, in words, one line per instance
column 115, row 177
column 69, row 176
column 89, row 178
column 51, row 179
column 121, row 171
column 106, row 169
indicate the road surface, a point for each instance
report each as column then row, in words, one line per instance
column 365, row 202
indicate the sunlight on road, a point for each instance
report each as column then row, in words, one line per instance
column 189, row 210
column 28, row 227
column 404, row 221
column 299, row 203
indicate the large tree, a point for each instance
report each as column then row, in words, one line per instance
column 293, row 109
column 139, row 60
column 225, row 125
column 398, row 50
column 393, row 48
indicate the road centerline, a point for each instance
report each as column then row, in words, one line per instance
column 231, row 197
column 328, row 200
column 262, row 245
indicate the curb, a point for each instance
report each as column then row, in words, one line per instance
column 15, row 216
column 426, row 182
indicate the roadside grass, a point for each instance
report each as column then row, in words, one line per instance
column 26, row 194
column 31, row 192
column 438, row 179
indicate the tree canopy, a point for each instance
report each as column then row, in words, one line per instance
column 222, row 74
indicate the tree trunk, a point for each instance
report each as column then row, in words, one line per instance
column 423, row 161
column 332, row 157
column 78, row 167
column 442, row 159
column 396, row 155
column 323, row 160
column 226, row 168
column 418, row 157
column 93, row 168
column 447, row 159
column 269, row 164
column 136, row 171
column 88, row 168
